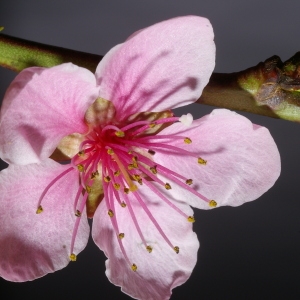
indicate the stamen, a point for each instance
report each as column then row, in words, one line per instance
column 202, row 161
column 151, row 152
column 153, row 170
column 187, row 140
column 78, row 213
column 119, row 133
column 110, row 151
column 123, row 204
column 107, row 179
column 149, row 249
column 189, row 181
column 121, row 235
column 167, row 186
column 94, row 174
column 191, row 219
column 117, row 186
column 88, row 189
column 110, row 213
column 80, row 168
column 39, row 209
column 117, row 173
column 176, row 249
column 73, row 257
column 81, row 153
column 134, row 267
column 51, row 184
column 213, row 203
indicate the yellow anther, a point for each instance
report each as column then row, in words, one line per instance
column 88, row 189
column 94, row 174
column 191, row 219
column 134, row 158
column 140, row 181
column 126, row 190
column 153, row 170
column 151, row 125
column 167, row 186
column 187, row 140
column 80, row 168
column 110, row 213
column 117, row 173
column 119, row 133
column 133, row 166
column 81, row 153
column 39, row 209
column 110, row 151
column 151, row 152
column 73, row 257
column 213, row 203
column 134, row 267
column 149, row 249
column 1, row 28
column 117, row 186
column 78, row 213
column 202, row 161
column 133, row 188
column 176, row 249
column 106, row 179
column 189, row 181
column 136, row 177
column 121, row 235
column 123, row 204
column 130, row 166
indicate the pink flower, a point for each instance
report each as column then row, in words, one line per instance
column 134, row 165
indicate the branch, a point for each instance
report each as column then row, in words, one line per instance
column 271, row 88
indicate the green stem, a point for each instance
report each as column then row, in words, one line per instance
column 271, row 88
column 17, row 54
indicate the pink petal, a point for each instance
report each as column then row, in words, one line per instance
column 33, row 245
column 243, row 161
column 40, row 107
column 157, row 272
column 164, row 66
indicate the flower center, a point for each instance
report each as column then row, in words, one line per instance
column 120, row 160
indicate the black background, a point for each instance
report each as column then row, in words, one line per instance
column 250, row 252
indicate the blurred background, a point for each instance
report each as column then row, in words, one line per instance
column 249, row 252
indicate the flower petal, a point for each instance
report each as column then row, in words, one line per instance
column 243, row 161
column 40, row 107
column 33, row 245
column 157, row 272
column 164, row 66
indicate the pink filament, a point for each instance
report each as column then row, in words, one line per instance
column 52, row 183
